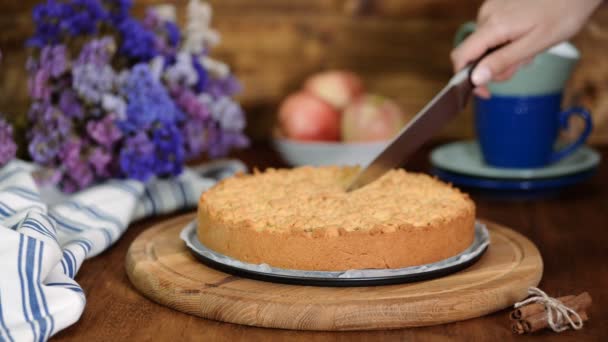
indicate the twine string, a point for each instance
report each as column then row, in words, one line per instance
column 559, row 316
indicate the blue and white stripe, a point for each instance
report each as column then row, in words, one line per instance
column 45, row 238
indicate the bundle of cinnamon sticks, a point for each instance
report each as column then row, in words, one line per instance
column 533, row 317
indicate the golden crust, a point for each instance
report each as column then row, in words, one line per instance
column 303, row 219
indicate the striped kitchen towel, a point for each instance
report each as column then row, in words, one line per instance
column 45, row 237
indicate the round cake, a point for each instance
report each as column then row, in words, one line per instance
column 304, row 219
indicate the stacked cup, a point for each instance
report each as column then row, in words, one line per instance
column 517, row 131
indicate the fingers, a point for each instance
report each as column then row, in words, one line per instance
column 510, row 71
column 527, row 61
column 482, row 91
column 507, row 74
column 469, row 49
column 502, row 61
column 485, row 38
column 485, row 10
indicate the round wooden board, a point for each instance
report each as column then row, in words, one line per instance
column 159, row 265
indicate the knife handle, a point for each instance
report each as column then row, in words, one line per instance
column 473, row 64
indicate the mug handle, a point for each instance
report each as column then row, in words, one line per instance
column 463, row 32
column 564, row 119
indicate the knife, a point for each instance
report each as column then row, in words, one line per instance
column 443, row 107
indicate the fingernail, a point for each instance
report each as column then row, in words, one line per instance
column 481, row 75
column 482, row 92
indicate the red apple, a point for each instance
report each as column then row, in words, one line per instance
column 337, row 88
column 372, row 118
column 303, row 116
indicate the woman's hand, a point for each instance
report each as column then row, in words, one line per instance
column 526, row 27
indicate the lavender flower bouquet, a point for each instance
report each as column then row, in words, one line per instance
column 116, row 97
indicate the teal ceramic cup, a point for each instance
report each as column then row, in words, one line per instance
column 519, row 125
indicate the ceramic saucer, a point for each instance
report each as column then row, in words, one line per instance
column 512, row 184
column 465, row 158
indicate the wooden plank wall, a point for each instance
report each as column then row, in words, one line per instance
column 400, row 48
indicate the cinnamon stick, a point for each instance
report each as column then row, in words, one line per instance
column 583, row 300
column 517, row 327
column 531, row 309
column 538, row 322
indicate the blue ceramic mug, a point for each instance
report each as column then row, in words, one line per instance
column 521, row 131
column 518, row 127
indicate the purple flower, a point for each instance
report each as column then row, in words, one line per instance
column 69, row 104
column 228, row 114
column 54, row 59
column 118, row 10
column 8, row 148
column 52, row 64
column 54, row 20
column 137, row 42
column 191, row 104
column 92, row 76
column 100, row 160
column 48, row 20
column 98, row 52
column 38, row 84
column 173, row 33
column 47, row 118
column 182, row 72
column 201, row 74
column 70, row 151
column 115, row 105
column 49, row 129
column 167, row 33
column 83, row 17
column 147, row 101
column 92, row 81
column 44, row 147
column 52, row 119
column 228, row 86
column 136, row 158
column 169, row 150
column 105, row 132
column 194, row 133
column 80, row 174
column 151, row 20
column 35, row 110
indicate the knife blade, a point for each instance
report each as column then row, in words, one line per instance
column 443, row 107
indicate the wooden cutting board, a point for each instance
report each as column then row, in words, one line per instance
column 159, row 265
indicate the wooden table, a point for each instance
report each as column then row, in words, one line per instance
column 571, row 231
